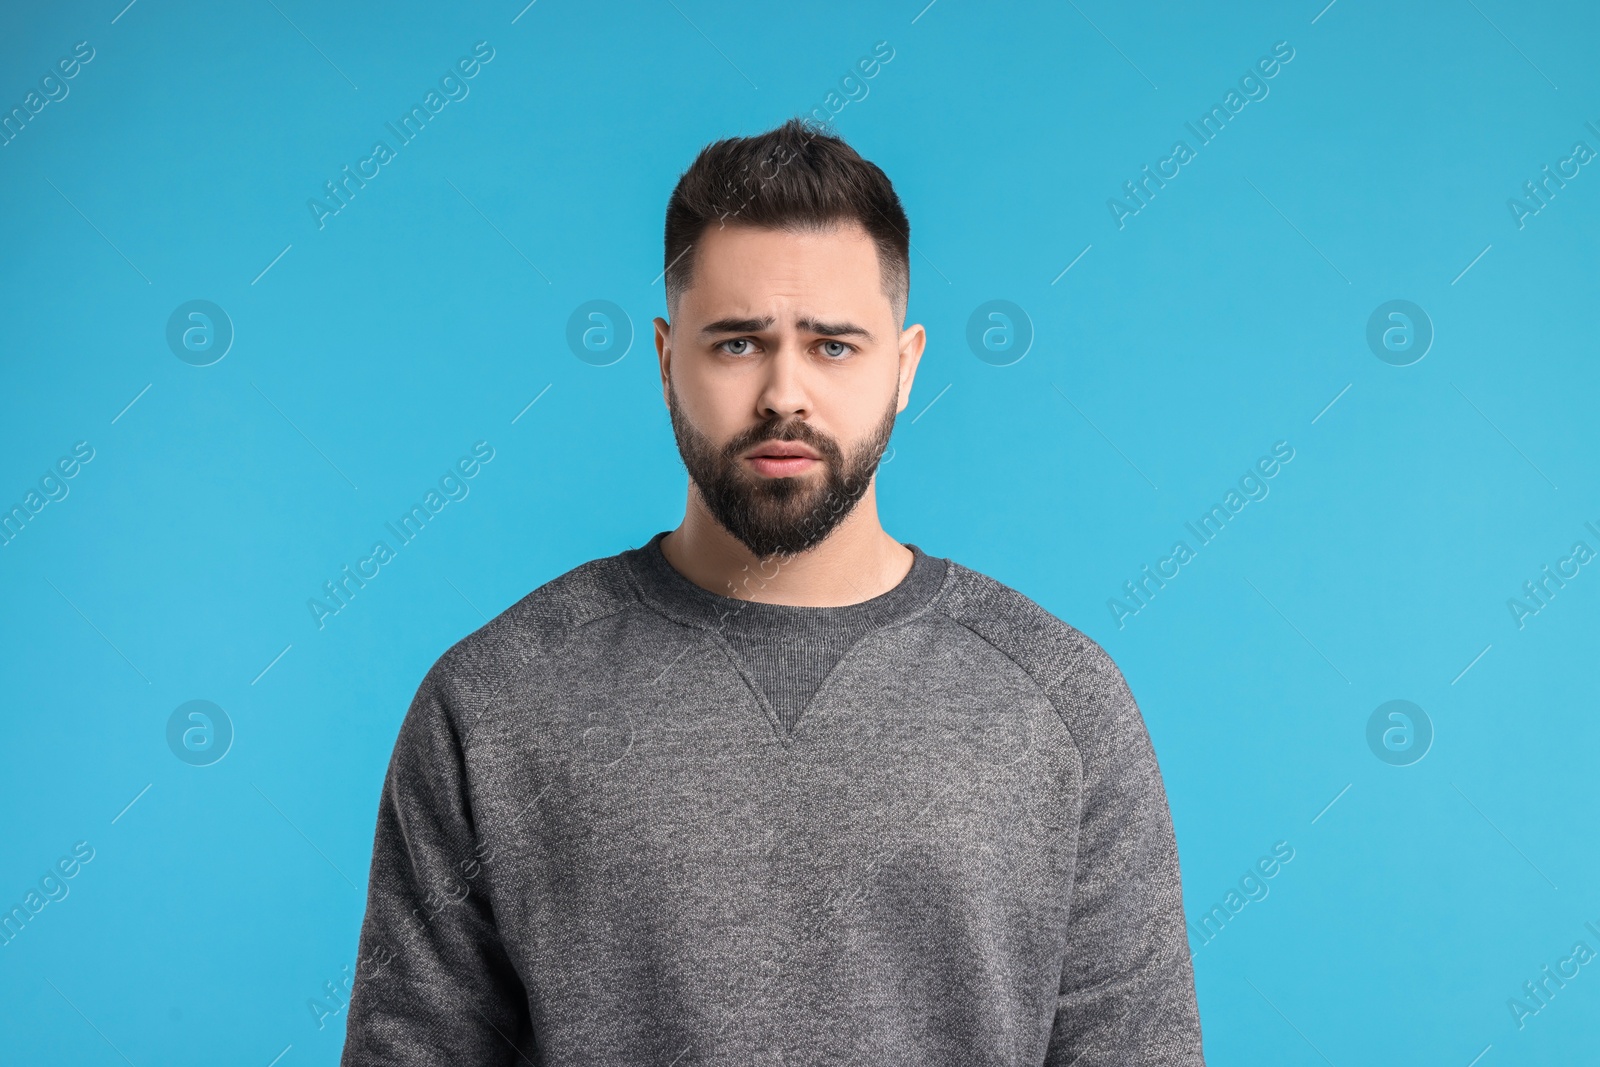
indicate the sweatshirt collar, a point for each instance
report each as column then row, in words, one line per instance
column 673, row 595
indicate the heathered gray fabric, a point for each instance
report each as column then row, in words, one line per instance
column 597, row 846
column 786, row 650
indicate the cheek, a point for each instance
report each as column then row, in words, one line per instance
column 860, row 410
column 719, row 402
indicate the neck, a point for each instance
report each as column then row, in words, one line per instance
column 856, row 562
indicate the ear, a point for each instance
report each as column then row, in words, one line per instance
column 912, row 341
column 663, row 351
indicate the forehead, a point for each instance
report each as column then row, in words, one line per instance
column 835, row 267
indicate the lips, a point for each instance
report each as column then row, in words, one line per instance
column 782, row 459
column 784, row 453
column 783, row 450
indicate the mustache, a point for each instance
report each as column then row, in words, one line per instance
column 795, row 430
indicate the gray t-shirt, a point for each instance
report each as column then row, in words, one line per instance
column 631, row 821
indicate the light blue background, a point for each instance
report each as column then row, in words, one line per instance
column 1228, row 314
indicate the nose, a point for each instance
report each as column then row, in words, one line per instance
column 784, row 392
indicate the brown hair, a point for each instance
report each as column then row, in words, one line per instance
column 798, row 176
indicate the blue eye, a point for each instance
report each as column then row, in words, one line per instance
column 736, row 341
column 845, row 349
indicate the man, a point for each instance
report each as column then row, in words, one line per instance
column 775, row 788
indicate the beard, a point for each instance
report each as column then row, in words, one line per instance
column 778, row 516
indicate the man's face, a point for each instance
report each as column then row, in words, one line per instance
column 785, row 341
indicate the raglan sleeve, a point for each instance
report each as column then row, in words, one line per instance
column 433, row 982
column 1127, row 994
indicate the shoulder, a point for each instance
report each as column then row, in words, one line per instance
column 1074, row 671
column 471, row 672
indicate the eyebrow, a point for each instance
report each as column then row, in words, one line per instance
column 828, row 329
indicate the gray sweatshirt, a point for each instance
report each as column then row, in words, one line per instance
column 634, row 822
